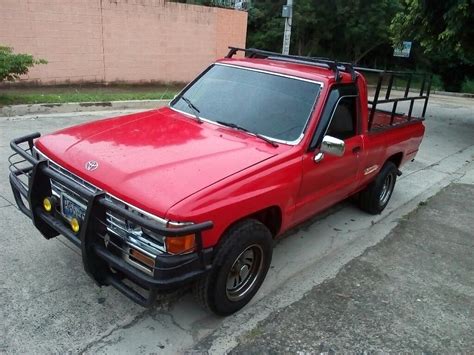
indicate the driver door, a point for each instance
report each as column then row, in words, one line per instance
column 328, row 179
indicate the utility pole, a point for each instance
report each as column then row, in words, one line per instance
column 287, row 14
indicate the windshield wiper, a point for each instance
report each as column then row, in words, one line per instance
column 240, row 128
column 192, row 107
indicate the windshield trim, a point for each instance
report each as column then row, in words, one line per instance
column 292, row 143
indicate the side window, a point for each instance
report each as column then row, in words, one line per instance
column 344, row 121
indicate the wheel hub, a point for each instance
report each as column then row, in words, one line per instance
column 387, row 188
column 244, row 272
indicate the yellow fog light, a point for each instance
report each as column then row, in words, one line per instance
column 47, row 205
column 74, row 225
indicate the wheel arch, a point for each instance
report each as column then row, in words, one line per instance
column 396, row 158
column 270, row 217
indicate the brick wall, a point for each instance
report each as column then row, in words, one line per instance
column 118, row 40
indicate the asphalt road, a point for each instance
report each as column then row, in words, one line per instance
column 412, row 292
column 48, row 304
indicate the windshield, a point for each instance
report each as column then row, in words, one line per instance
column 271, row 105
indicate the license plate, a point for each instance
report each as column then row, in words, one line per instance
column 71, row 208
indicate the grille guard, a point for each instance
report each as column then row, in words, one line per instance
column 96, row 258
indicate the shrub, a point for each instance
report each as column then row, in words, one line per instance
column 13, row 65
column 468, row 86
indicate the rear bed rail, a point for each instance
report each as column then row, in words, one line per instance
column 385, row 81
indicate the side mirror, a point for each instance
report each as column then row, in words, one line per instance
column 334, row 146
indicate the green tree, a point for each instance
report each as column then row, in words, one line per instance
column 364, row 25
column 344, row 29
column 13, row 65
column 265, row 25
column 445, row 32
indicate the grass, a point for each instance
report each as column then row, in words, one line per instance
column 14, row 95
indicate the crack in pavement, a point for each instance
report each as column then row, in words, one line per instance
column 41, row 294
column 154, row 313
column 128, row 324
column 173, row 320
column 462, row 150
column 8, row 203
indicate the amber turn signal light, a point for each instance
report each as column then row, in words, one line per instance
column 143, row 258
column 47, row 204
column 183, row 244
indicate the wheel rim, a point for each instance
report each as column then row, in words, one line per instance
column 244, row 272
column 387, row 189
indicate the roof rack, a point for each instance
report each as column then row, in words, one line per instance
column 334, row 65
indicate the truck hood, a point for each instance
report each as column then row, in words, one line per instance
column 153, row 159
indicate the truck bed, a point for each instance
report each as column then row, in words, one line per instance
column 383, row 120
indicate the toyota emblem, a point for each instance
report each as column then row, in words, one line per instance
column 91, row 165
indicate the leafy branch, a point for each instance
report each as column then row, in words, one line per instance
column 13, row 65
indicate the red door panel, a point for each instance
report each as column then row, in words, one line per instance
column 329, row 181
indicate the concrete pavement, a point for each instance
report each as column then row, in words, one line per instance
column 48, row 304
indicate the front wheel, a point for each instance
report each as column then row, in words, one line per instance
column 240, row 266
column 374, row 198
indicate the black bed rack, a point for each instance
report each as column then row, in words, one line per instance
column 335, row 66
column 389, row 77
column 386, row 79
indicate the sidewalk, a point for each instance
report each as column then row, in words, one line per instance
column 413, row 292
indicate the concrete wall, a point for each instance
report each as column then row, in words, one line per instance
column 118, row 40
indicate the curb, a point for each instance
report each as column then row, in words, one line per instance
column 453, row 94
column 21, row 110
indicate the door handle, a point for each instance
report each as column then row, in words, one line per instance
column 356, row 150
column 318, row 157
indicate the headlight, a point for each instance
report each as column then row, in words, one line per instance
column 170, row 244
column 153, row 243
column 156, row 237
column 136, row 233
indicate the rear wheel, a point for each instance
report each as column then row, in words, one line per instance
column 374, row 198
column 240, row 266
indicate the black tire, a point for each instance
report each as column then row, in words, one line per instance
column 248, row 237
column 374, row 198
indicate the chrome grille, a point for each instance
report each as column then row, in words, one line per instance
column 71, row 176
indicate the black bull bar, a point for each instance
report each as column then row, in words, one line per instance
column 105, row 267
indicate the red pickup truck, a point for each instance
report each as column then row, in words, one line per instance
column 197, row 191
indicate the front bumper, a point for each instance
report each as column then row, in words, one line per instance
column 30, row 179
